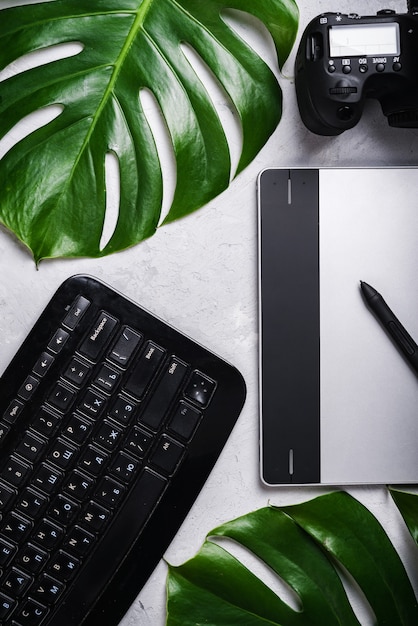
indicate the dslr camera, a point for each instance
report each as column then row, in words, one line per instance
column 344, row 59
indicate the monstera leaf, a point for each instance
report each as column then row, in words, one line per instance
column 311, row 547
column 53, row 181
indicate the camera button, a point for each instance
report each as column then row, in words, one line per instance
column 346, row 69
column 397, row 67
column 345, row 113
column 331, row 69
column 380, row 67
column 363, row 68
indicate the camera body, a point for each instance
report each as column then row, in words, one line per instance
column 344, row 59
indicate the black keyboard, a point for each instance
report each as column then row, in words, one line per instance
column 110, row 422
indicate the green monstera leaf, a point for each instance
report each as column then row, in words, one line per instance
column 311, row 547
column 53, row 181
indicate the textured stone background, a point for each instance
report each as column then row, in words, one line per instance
column 200, row 275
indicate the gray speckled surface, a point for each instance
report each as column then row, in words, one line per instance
column 200, row 275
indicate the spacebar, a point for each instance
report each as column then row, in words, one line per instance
column 114, row 546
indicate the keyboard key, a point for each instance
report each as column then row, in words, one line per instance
column 45, row 423
column 76, row 312
column 47, row 478
column 58, row 341
column 167, row 454
column 32, row 559
column 6, row 495
column 94, row 517
column 15, row 472
column 31, row 614
column 77, row 429
column 164, row 394
column 92, row 404
column 184, row 420
column 144, row 370
column 78, row 485
column 107, row 378
column 16, row 528
column 31, row 447
column 77, row 372
column 28, row 388
column 108, row 435
column 31, row 503
column 63, row 566
column 6, row 605
column 63, row 510
column 7, row 551
column 124, row 467
column 4, row 431
column 93, row 461
column 138, row 442
column 98, row 336
column 61, row 397
column 123, row 410
column 124, row 347
column 16, row 582
column 200, row 388
column 47, row 590
column 62, row 454
column 109, row 493
column 79, row 542
column 43, row 364
column 47, row 535
column 13, row 411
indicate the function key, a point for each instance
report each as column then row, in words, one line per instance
column 124, row 347
column 58, row 341
column 76, row 312
column 98, row 336
column 200, row 388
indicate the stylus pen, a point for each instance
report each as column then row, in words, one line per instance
column 390, row 322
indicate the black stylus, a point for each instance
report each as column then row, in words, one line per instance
column 390, row 322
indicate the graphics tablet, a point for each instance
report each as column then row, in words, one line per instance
column 338, row 401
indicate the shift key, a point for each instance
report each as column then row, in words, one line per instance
column 98, row 336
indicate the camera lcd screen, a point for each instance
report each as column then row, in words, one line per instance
column 364, row 40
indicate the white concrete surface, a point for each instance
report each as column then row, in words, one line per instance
column 200, row 275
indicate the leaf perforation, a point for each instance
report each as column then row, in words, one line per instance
column 100, row 91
